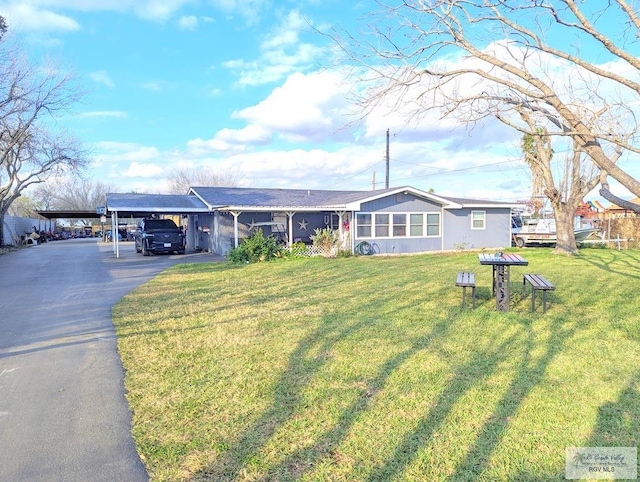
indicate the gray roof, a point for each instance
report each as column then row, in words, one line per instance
column 476, row 202
column 205, row 199
column 282, row 198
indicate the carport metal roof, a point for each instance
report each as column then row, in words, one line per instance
column 141, row 205
column 69, row 214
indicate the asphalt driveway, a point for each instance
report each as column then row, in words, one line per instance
column 63, row 414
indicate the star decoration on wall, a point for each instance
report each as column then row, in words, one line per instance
column 303, row 224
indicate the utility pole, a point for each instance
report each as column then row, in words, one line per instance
column 386, row 181
column 373, row 186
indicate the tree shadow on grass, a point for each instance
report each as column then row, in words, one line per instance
column 480, row 366
column 618, row 422
column 287, row 399
column 608, row 260
column 528, row 374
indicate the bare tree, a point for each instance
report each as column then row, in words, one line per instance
column 24, row 207
column 180, row 180
column 565, row 187
column 31, row 148
column 513, row 60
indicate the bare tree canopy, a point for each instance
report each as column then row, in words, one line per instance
column 73, row 194
column 180, row 180
column 572, row 67
column 32, row 147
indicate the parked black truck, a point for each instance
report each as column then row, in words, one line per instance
column 159, row 236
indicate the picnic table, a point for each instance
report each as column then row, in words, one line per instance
column 501, row 264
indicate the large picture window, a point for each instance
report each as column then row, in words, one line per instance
column 397, row 225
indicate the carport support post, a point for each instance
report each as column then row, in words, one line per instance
column 114, row 234
column 235, row 227
column 113, row 220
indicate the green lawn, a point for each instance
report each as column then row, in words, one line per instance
column 368, row 368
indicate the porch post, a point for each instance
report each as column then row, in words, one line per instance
column 235, row 215
column 340, row 227
column 290, row 233
column 352, row 236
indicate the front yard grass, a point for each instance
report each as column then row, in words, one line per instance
column 368, row 369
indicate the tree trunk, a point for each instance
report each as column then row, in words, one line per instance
column 2, row 213
column 566, row 238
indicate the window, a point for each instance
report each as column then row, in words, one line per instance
column 478, row 219
column 399, row 225
column 364, row 225
column 433, row 225
column 416, row 227
column 382, row 225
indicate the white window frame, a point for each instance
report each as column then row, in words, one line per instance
column 406, row 225
column 484, row 220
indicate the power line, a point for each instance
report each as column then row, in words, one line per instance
column 437, row 173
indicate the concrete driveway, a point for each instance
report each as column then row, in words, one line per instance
column 63, row 414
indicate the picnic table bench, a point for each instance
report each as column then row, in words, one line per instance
column 538, row 283
column 466, row 280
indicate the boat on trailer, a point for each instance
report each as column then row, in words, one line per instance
column 541, row 231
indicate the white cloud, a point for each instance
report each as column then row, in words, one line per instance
column 188, row 22
column 252, row 134
column 127, row 151
column 102, row 77
column 29, row 17
column 309, row 107
column 201, row 147
column 287, row 33
column 137, row 169
column 250, row 10
column 282, row 53
column 47, row 16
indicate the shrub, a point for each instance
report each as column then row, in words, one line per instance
column 256, row 248
column 297, row 250
column 327, row 240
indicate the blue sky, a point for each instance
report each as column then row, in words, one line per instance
column 245, row 87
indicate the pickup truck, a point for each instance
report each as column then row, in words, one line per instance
column 158, row 236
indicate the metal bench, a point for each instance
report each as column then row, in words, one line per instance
column 537, row 282
column 467, row 280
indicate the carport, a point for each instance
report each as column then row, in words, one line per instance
column 67, row 214
column 122, row 206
